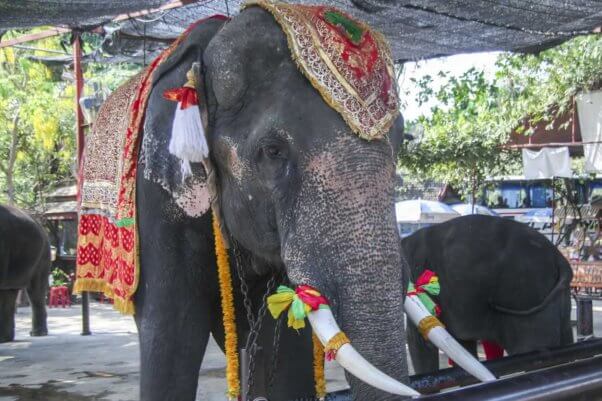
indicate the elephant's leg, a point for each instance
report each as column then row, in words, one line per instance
column 8, row 300
column 36, row 291
column 566, row 331
column 173, row 326
column 425, row 357
column 176, row 296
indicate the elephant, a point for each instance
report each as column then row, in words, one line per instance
column 24, row 263
column 500, row 281
column 302, row 199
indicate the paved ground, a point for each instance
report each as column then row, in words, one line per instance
column 66, row 366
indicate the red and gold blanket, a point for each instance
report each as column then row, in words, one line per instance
column 107, row 248
column 347, row 62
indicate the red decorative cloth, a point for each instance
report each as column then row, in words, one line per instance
column 184, row 95
column 492, row 350
column 107, row 247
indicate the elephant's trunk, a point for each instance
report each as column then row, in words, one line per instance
column 343, row 241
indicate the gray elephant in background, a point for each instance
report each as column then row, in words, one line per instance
column 501, row 281
column 24, row 264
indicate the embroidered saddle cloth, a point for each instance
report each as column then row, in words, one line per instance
column 345, row 60
column 107, row 248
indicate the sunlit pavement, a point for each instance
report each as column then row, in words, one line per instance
column 66, row 366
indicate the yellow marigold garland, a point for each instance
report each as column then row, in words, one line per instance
column 229, row 315
column 319, row 379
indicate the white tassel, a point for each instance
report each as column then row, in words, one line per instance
column 188, row 141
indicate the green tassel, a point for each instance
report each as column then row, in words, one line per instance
column 354, row 31
column 426, row 300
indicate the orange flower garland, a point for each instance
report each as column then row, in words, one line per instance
column 229, row 315
column 319, row 379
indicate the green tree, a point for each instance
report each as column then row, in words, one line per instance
column 37, row 119
column 36, row 126
column 462, row 141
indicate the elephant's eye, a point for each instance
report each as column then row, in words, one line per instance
column 273, row 152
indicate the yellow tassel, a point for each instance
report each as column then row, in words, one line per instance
column 319, row 379
column 225, row 286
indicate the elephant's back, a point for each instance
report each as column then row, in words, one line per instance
column 484, row 260
column 23, row 242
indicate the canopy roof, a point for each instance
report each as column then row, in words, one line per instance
column 416, row 28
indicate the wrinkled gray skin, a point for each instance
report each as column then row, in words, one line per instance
column 500, row 281
column 299, row 193
column 24, row 263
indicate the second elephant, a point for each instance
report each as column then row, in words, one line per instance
column 501, row 281
column 24, row 263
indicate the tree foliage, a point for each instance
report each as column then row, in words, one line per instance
column 462, row 141
column 36, row 128
column 37, row 119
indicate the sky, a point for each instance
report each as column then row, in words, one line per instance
column 456, row 65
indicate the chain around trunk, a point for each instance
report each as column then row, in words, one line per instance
column 256, row 322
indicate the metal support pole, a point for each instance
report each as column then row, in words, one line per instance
column 553, row 207
column 79, row 89
column 86, row 314
column 79, row 131
column 259, row 379
column 585, row 317
column 244, row 373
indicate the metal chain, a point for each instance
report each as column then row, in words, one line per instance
column 255, row 322
column 244, row 288
column 275, row 353
column 252, row 346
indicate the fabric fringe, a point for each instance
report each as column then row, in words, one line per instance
column 125, row 306
column 229, row 315
column 188, row 142
column 319, row 380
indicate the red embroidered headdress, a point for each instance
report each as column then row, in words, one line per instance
column 346, row 61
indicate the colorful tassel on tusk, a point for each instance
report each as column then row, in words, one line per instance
column 299, row 303
column 427, row 283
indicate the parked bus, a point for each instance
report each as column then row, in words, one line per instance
column 514, row 196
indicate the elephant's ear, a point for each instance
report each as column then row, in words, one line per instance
column 188, row 140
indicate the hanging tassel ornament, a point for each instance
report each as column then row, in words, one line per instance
column 427, row 283
column 299, row 303
column 188, row 142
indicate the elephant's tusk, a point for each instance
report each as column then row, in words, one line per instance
column 325, row 327
column 419, row 315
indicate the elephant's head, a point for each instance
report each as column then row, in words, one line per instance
column 303, row 192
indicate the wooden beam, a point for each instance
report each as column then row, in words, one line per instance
column 550, row 144
column 168, row 6
column 122, row 17
column 34, row 36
